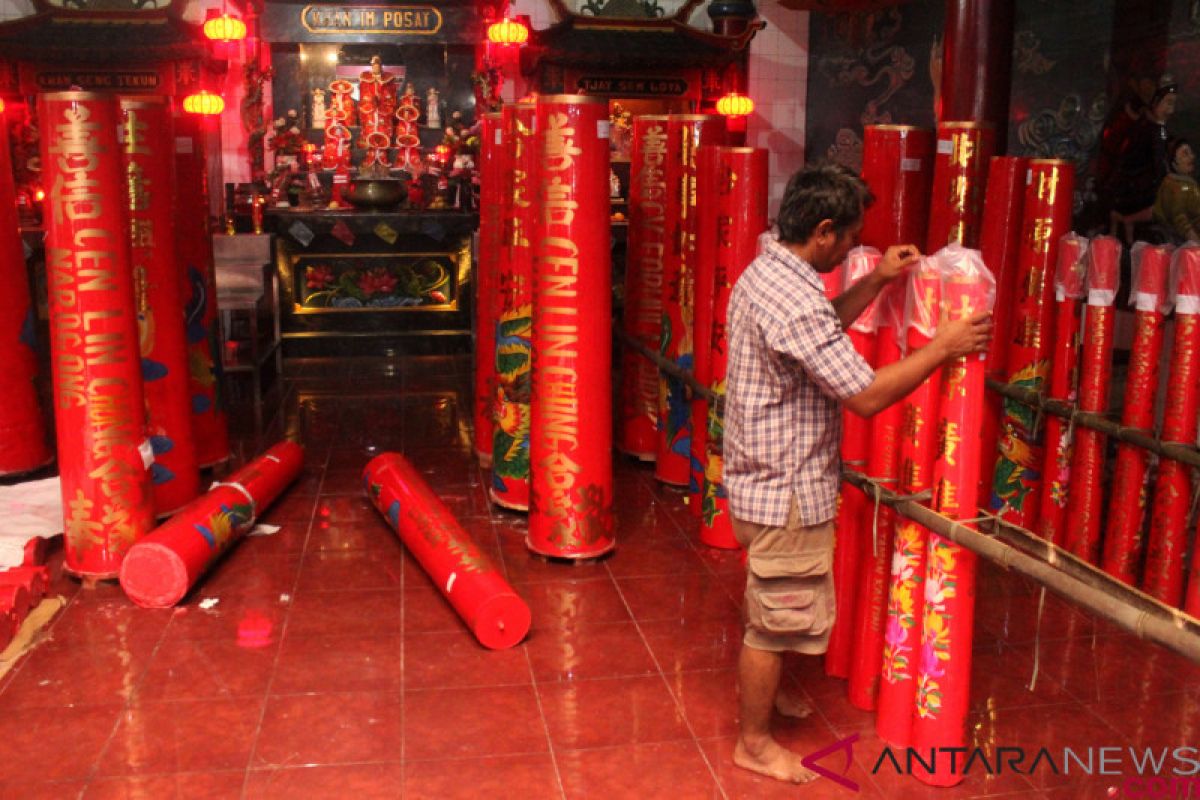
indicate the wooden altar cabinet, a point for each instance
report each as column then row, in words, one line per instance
column 367, row 281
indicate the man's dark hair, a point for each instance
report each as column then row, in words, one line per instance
column 817, row 192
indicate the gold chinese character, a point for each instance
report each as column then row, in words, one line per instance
column 1039, row 235
column 964, row 150
column 948, row 441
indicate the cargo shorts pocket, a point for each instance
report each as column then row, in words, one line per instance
column 790, row 594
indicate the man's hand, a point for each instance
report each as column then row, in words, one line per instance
column 895, row 262
column 962, row 337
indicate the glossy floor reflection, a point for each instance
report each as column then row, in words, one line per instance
column 329, row 666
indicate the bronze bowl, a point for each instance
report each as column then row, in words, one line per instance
column 376, row 193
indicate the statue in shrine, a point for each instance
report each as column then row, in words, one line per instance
column 433, row 111
column 376, row 101
column 318, row 109
column 1143, row 162
column 1177, row 207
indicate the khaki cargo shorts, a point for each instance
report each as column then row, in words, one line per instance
column 789, row 603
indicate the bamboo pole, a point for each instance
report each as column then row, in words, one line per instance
column 1059, row 571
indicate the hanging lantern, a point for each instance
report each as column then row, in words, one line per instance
column 506, row 31
column 204, row 102
column 735, row 104
column 225, row 28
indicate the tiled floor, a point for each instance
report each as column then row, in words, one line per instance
column 331, row 667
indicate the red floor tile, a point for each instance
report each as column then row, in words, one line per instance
column 40, row 790
column 601, row 650
column 182, row 785
column 353, row 570
column 457, row 723
column 522, row 776
column 660, row 769
column 367, row 781
column 250, row 618
column 697, row 644
column 366, row 533
column 671, row 555
column 360, row 663
column 335, row 728
column 345, row 613
column 182, row 736
column 680, row 597
column 456, row 659
column 570, row 602
column 201, row 669
column 741, row 784
column 247, row 575
column 611, row 711
column 426, row 610
column 57, row 745
column 59, row 674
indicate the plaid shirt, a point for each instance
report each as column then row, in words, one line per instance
column 790, row 363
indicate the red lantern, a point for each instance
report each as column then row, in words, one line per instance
column 204, row 103
column 225, row 28
column 735, row 104
column 507, row 32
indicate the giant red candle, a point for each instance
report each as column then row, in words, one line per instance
column 685, row 133
column 514, row 321
column 1070, row 278
column 856, row 445
column 906, row 598
column 160, row 569
column 1087, row 458
column 960, row 170
column 1128, row 495
column 465, row 576
column 23, row 444
column 103, row 453
column 944, row 671
column 646, row 249
column 193, row 249
column 1163, row 578
column 570, row 442
column 703, row 292
column 998, row 244
column 883, row 464
column 492, row 172
column 1046, row 217
column 147, row 161
column 898, row 168
column 741, row 218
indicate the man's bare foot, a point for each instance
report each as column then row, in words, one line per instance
column 771, row 759
column 793, row 705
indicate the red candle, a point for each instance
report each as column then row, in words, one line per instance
column 1070, row 278
column 1046, row 217
column 851, row 539
column 646, row 247
column 998, row 243
column 906, row 599
column 492, row 171
column 570, row 443
column 160, row 569
column 1087, row 459
column 193, row 249
column 960, row 169
column 23, row 444
column 741, row 218
column 898, row 168
column 452, row 560
column 1128, row 496
column 103, row 454
column 704, row 289
column 514, row 323
column 1163, row 578
column 944, row 671
column 147, row 161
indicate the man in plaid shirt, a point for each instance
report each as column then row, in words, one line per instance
column 791, row 368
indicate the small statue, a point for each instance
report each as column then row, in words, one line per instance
column 318, row 109
column 376, row 101
column 433, row 113
column 1177, row 207
column 614, row 184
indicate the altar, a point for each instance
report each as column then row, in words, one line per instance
column 397, row 279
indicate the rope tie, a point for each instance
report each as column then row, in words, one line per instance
column 877, row 492
column 1037, row 640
